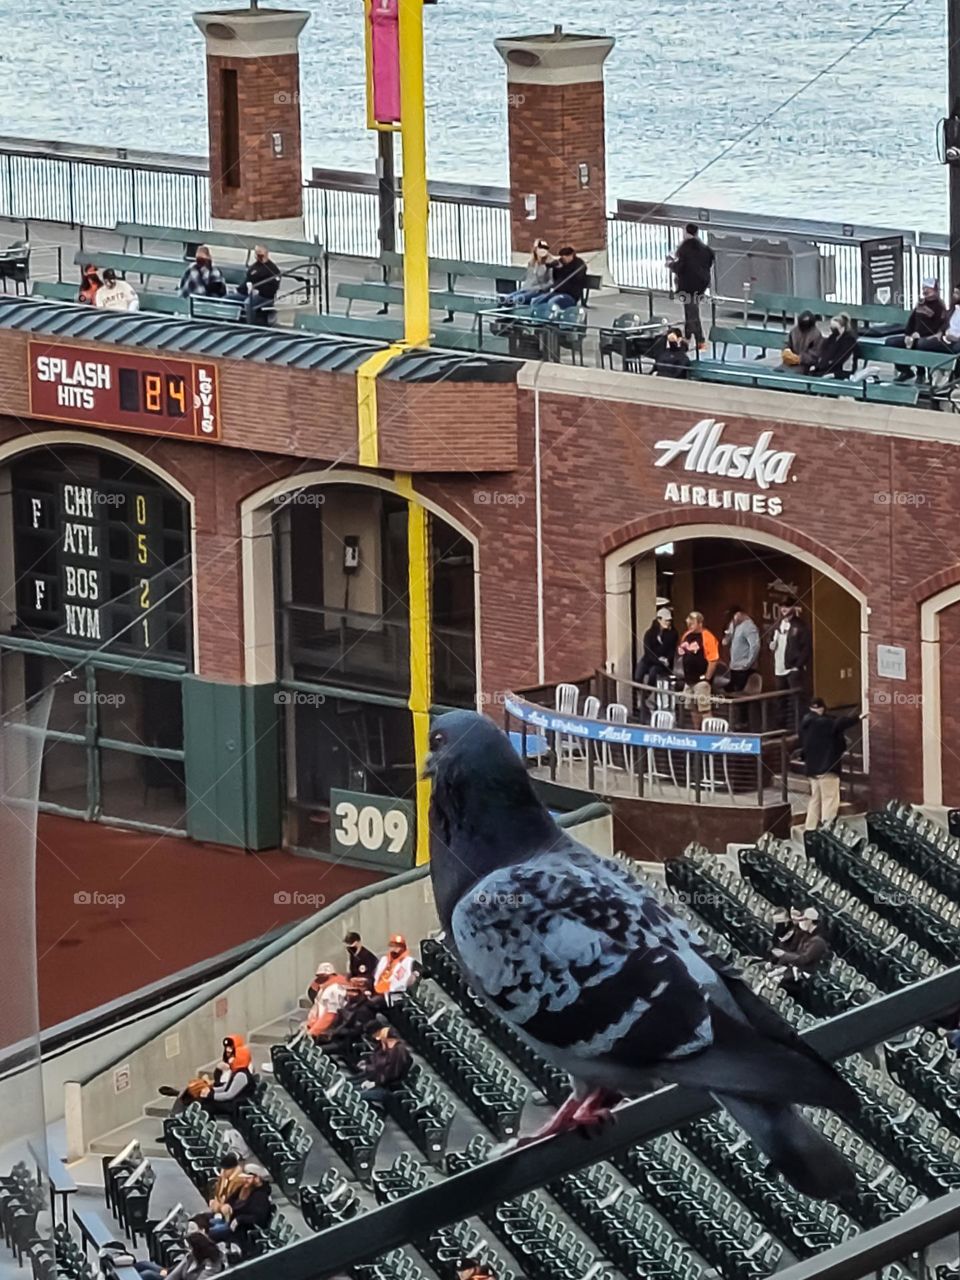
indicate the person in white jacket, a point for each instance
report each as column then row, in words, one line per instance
column 115, row 294
column 395, row 972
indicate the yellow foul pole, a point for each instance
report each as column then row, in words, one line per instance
column 416, row 204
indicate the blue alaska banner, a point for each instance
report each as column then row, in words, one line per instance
column 631, row 735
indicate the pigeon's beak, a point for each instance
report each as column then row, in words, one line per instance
column 429, row 765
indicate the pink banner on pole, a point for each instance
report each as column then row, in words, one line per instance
column 385, row 27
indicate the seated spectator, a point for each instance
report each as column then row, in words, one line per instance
column 202, row 279
column 808, row 949
column 836, row 350
column 473, row 1269
column 386, row 1067
column 203, row 1258
column 699, row 653
column 395, row 973
column 232, row 1080
column 261, row 285
column 568, row 286
column 356, row 1018
column 803, row 345
column 660, row 642
column 250, row 1206
column 90, row 282
column 537, row 281
column 361, row 963
column 229, row 1181
column 947, row 342
column 785, row 932
column 672, row 360
column 115, row 294
column 927, row 319
column 330, row 999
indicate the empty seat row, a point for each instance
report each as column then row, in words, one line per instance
column 197, row 1145
column 338, row 1109
column 328, row 1202
column 923, row 846
column 274, row 1136
column 462, row 1059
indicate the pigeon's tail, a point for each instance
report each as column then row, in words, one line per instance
column 808, row 1161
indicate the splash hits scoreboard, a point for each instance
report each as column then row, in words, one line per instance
column 110, row 389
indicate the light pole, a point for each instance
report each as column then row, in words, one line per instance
column 951, row 134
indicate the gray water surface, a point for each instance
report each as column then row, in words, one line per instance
column 685, row 81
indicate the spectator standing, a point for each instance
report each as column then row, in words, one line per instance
column 538, row 280
column 671, row 359
column 202, row 279
column 660, row 642
column 692, row 265
column 836, row 350
column 742, row 640
column 792, row 646
column 823, row 746
column 927, row 319
column 261, row 285
column 699, row 654
column 803, row 344
column 386, row 1067
column 115, row 294
column 330, row 998
column 568, row 287
column 361, row 962
column 90, row 282
column 395, row 973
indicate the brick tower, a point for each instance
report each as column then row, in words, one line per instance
column 253, row 118
column 558, row 170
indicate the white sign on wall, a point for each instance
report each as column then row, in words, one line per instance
column 705, row 452
column 891, row 662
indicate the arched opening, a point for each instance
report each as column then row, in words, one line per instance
column 95, row 580
column 335, row 551
column 711, row 568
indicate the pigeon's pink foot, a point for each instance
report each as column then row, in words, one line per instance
column 578, row 1112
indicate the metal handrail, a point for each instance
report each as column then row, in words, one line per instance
column 370, row 1235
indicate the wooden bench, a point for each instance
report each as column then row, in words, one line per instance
column 876, row 349
column 769, row 380
column 94, row 1231
column 375, row 328
column 59, row 1179
column 145, row 267
column 744, row 336
column 391, row 295
column 787, row 305
column 55, row 290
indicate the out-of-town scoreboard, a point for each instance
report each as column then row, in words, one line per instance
column 123, row 392
column 102, row 555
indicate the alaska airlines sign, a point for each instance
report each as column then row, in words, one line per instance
column 706, row 453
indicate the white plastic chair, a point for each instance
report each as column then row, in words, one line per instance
column 590, row 711
column 665, row 722
column 567, row 698
column 616, row 713
column 721, row 727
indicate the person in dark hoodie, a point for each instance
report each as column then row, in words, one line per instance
column 569, row 285
column 691, row 266
column 660, row 642
column 386, row 1067
column 823, row 746
column 836, row 350
column 250, row 1206
column 803, row 345
column 672, row 360
column 927, row 319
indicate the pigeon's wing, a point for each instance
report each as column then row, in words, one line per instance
column 579, row 956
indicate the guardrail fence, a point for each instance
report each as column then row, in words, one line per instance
column 98, row 188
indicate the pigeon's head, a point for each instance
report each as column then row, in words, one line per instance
column 483, row 810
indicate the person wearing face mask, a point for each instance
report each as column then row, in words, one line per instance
column 808, row 948
column 836, row 350
column 537, row 281
column 803, row 345
column 202, row 278
column 395, row 973
column 361, row 962
column 671, row 360
column 927, row 319
column 947, row 341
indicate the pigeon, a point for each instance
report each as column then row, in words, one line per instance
column 599, row 976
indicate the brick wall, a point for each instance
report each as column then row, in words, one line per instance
column 950, row 703
column 269, row 102
column 552, row 130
